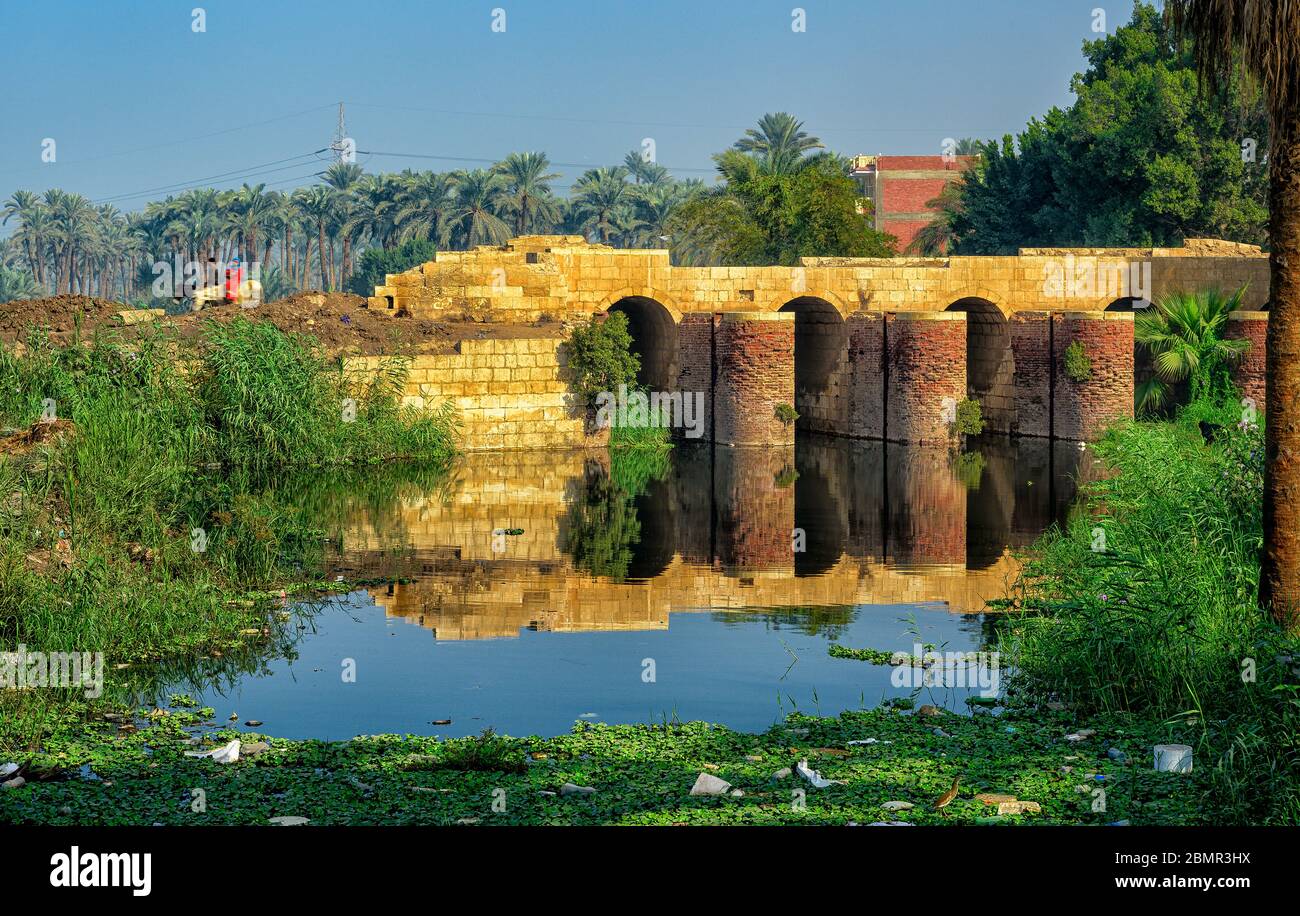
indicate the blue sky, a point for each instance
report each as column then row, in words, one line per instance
column 137, row 101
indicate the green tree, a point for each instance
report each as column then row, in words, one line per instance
column 375, row 263
column 600, row 357
column 526, row 191
column 1140, row 158
column 1260, row 40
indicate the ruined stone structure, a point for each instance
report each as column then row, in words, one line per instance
column 859, row 347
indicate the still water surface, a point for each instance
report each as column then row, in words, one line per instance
column 635, row 593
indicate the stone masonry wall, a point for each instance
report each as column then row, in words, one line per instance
column 866, row 381
column 927, row 364
column 1249, row 374
column 755, row 353
column 508, row 394
column 1083, row 409
column 1033, row 381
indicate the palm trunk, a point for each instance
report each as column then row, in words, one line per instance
column 1279, row 577
column 347, row 261
column 320, row 247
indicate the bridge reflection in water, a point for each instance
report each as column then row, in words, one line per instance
column 606, row 548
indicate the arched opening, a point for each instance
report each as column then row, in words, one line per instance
column 820, row 339
column 1144, row 369
column 990, row 364
column 654, row 340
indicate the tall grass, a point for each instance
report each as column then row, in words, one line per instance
column 1146, row 603
column 97, row 545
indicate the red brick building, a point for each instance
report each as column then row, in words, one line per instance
column 901, row 186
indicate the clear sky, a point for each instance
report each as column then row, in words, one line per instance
column 135, row 100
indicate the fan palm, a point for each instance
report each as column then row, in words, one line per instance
column 1183, row 332
column 1261, row 39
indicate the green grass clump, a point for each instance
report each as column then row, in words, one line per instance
column 1146, row 603
column 139, row 528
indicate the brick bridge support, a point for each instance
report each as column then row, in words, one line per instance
column 754, row 352
column 905, row 372
column 925, row 374
column 1249, row 373
column 1083, row 408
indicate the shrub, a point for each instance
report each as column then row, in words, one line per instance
column 969, row 419
column 1078, row 367
column 600, row 357
column 786, row 414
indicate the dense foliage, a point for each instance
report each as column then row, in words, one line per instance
column 376, row 263
column 1140, row 158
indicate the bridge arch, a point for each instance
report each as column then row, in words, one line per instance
column 820, row 351
column 990, row 363
column 653, row 326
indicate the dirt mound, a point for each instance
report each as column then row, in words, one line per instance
column 339, row 321
column 58, row 314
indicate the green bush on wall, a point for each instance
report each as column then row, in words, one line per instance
column 970, row 420
column 1078, row 368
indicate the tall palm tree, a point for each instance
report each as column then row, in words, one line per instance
column 643, row 170
column 601, row 199
column 317, row 204
column 74, row 225
column 343, row 177
column 250, row 209
column 23, row 204
column 526, row 191
column 779, row 142
column 1261, row 38
column 423, row 208
column 478, row 200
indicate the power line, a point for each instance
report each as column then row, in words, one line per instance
column 235, row 175
column 153, row 146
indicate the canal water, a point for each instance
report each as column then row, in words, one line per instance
column 526, row 591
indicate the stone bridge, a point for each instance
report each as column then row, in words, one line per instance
column 880, row 348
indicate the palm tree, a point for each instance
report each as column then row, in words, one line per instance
column 317, row 204
column 17, row 284
column 602, row 200
column 936, row 237
column 779, row 142
column 74, row 223
column 526, row 191
column 643, row 170
column 1183, row 332
column 1261, row 39
column 478, row 197
column 342, row 177
column 25, row 205
column 250, row 209
column 424, row 208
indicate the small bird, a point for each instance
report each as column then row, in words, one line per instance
column 946, row 798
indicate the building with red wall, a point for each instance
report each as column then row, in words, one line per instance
column 900, row 188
